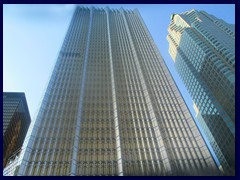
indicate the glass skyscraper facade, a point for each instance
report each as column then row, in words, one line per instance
column 16, row 120
column 203, row 49
column 112, row 108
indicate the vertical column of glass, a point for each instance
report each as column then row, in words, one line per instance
column 128, row 95
column 138, row 41
column 97, row 154
column 74, row 61
column 118, row 145
column 125, row 114
column 147, row 57
column 61, row 139
column 80, row 105
column 151, row 123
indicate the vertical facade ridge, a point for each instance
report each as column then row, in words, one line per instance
column 166, row 169
column 79, row 113
column 118, row 139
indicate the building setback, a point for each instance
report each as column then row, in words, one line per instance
column 16, row 120
column 203, row 49
column 112, row 107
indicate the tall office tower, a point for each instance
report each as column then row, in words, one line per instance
column 16, row 120
column 112, row 107
column 203, row 49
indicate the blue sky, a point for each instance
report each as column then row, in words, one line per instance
column 33, row 34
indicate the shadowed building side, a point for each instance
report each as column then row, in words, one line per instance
column 16, row 120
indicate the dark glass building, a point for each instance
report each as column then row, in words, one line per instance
column 203, row 49
column 16, row 120
column 112, row 108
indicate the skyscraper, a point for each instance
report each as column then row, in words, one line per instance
column 16, row 120
column 112, row 107
column 203, row 49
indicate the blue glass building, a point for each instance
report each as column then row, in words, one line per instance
column 203, row 49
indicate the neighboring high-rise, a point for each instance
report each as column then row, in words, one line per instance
column 203, row 49
column 16, row 120
column 112, row 108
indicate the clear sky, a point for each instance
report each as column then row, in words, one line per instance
column 33, row 35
